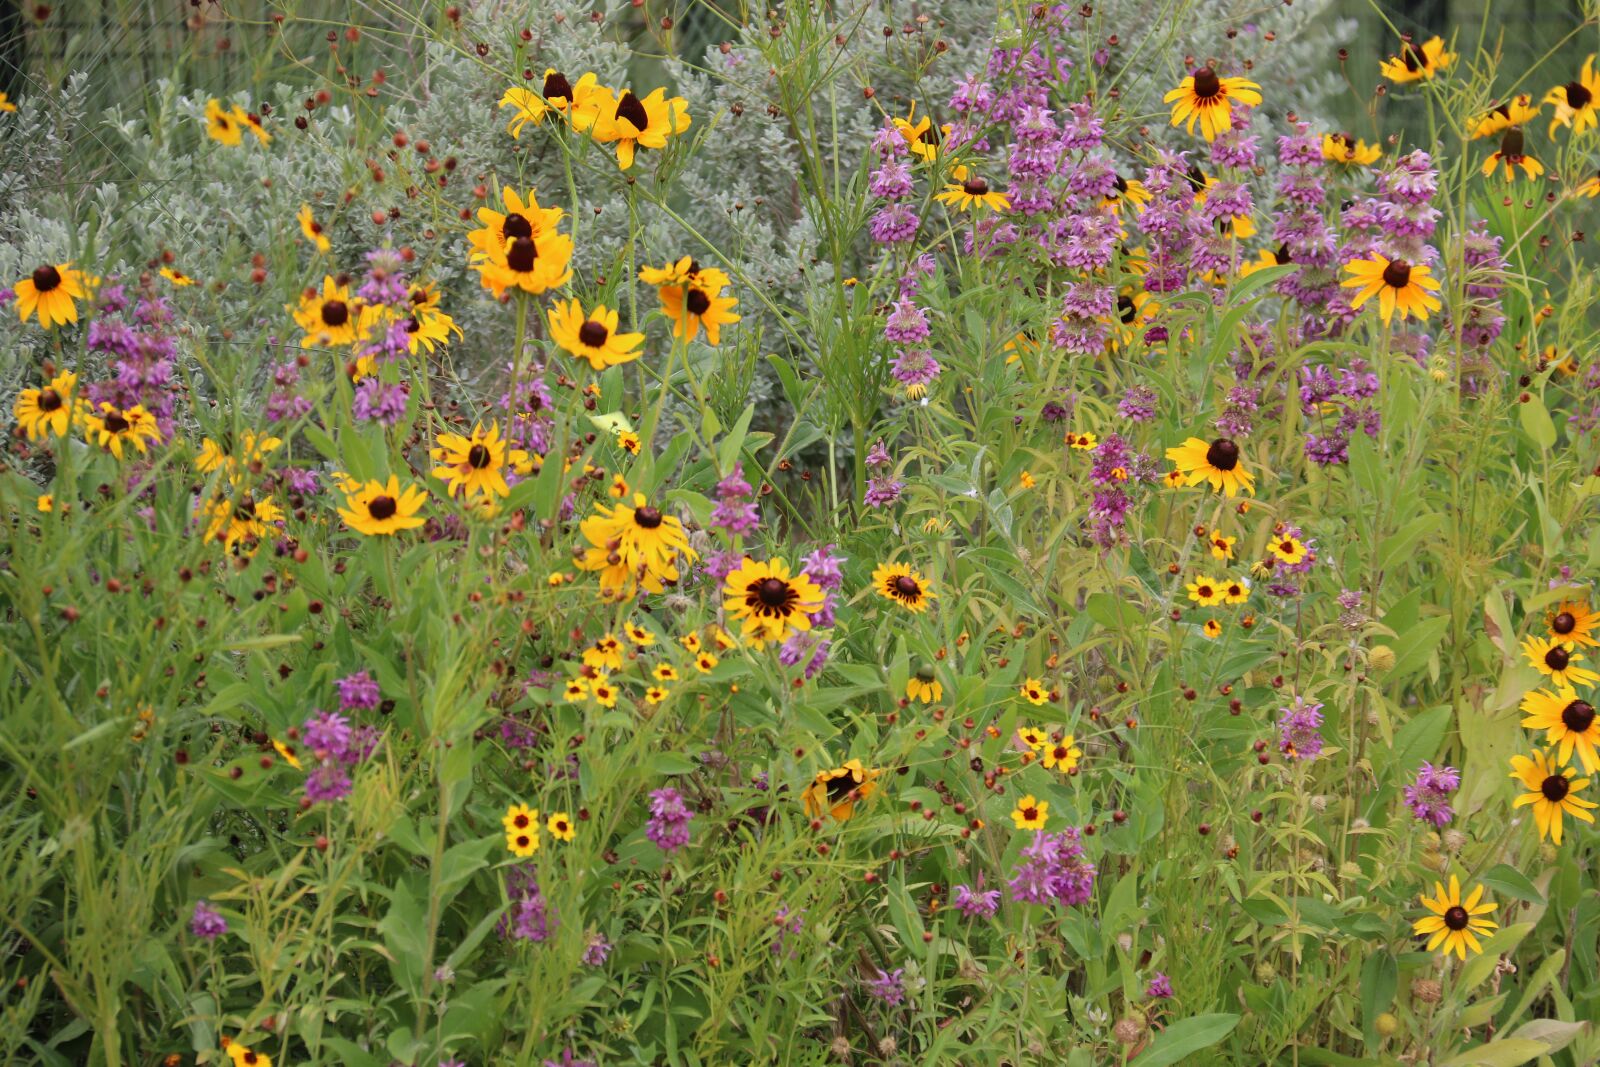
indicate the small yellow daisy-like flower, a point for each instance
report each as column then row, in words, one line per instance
column 903, row 585
column 1033, row 737
column 1406, row 288
column 223, row 125
column 179, row 279
column 1288, row 549
column 604, row 654
column 243, row 1056
column 287, row 753
column 921, row 135
column 924, row 686
column 519, row 817
column 1511, row 156
column 1350, row 151
column 51, row 292
column 771, row 602
column 46, row 503
column 1205, row 591
column 1034, row 691
column 1417, row 63
column 634, row 122
column 1552, row 791
column 1062, row 755
column 664, row 672
column 1518, row 111
column 577, row 691
column 629, row 442
column 1026, row 480
column 604, row 692
column 523, row 843
column 112, row 428
column 593, row 336
column 1085, row 442
column 312, row 229
column 1220, row 463
column 382, row 509
column 1212, row 629
column 47, row 411
column 1235, row 591
column 5, row 104
column 972, row 191
column 655, row 694
column 1208, row 98
column 705, row 663
column 1030, row 813
column 1574, row 622
column 1558, row 660
column 560, row 826
column 1222, row 546
column 638, row 634
column 1455, row 924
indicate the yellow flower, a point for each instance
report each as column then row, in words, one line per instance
column 705, row 663
column 476, row 464
column 604, row 692
column 112, row 428
column 1034, row 691
column 1288, row 549
column 655, row 694
column 837, row 791
column 1221, row 463
column 522, row 217
column 1235, row 591
column 697, row 302
column 522, row 839
column 6, row 104
column 1398, row 285
column 1517, row 111
column 380, row 509
column 560, row 826
column 924, row 686
column 1084, row 442
column 245, row 521
column 1033, row 737
column 1062, row 755
column 46, row 503
column 1455, row 924
column 638, row 635
column 594, row 336
column 520, row 817
column 178, row 279
column 1573, row 621
column 968, row 192
column 1552, row 792
column 328, row 318
column 633, row 546
column 312, row 229
column 1205, row 591
column 47, row 411
column 1416, row 64
column 1576, row 101
column 1208, row 98
column 287, row 753
column 531, row 264
column 605, row 653
column 244, row 1057
column 222, row 125
column 52, row 291
column 1030, row 813
column 632, row 123
column 1510, row 155
column 772, row 602
column 906, row 587
column 577, row 691
column 1212, row 629
column 921, row 135
column 665, row 672
column 1557, row 660
column 1568, row 722
column 1350, row 151
column 1222, row 546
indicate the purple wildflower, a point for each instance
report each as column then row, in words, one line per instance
column 1429, row 795
column 1052, row 870
column 669, row 820
column 358, row 692
column 207, row 923
column 1299, row 729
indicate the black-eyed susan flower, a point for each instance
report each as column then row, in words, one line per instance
column 1569, row 723
column 1034, row 691
column 1399, row 286
column 522, row 217
column 1558, row 661
column 47, row 411
column 592, row 336
column 837, row 791
column 635, row 122
column 1219, row 463
column 312, row 229
column 286, row 752
column 577, row 691
column 114, row 428
column 1455, row 924
column 1286, row 548
column 924, row 686
column 45, row 503
column 633, row 546
column 1589, row 187
column 1084, row 442
column 381, row 509
column 327, row 316
column 705, row 662
column 425, row 329
column 241, row 523
column 51, row 292
column 1349, row 151
column 1573, row 621
column 1510, row 156
column 655, row 694
column 603, row 690
column 1208, row 98
column 605, row 653
column 922, row 136
column 5, row 104
column 1267, row 257
column 532, row 265
column 251, row 448
column 903, row 585
column 1416, row 63
column 1575, row 102
column 222, row 124
column 1127, row 191
column 971, row 191
column 522, row 839
column 1062, row 755
column 252, row 124
column 178, row 279
column 1552, row 792
column 1518, row 111
column 242, row 1056
column 619, row 487
column 1205, row 591
column 476, row 464
column 697, row 302
column 519, row 817
column 560, row 826
column 771, row 602
column 1031, row 813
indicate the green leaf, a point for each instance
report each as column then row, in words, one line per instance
column 1186, row 1036
column 1507, row 880
column 1380, row 976
column 1536, row 422
column 672, row 763
column 1482, row 966
column 1508, row 1053
column 1416, row 645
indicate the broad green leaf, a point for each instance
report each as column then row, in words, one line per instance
column 1186, row 1036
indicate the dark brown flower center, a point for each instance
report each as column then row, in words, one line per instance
column 975, row 187
column 413, row 324
column 1557, row 658
column 1397, row 275
column 1578, row 716
column 1030, row 814
column 1127, row 311
column 1456, row 918
column 841, row 786
column 697, row 302
column 592, row 334
column 49, row 400
column 648, row 517
column 773, row 592
column 556, row 87
column 631, row 109
column 1223, row 454
column 1282, row 255
column 335, row 313
column 382, row 507
column 1555, row 788
column 521, row 255
column 116, row 423
column 46, row 278
column 1204, row 590
column 1578, row 95
column 1415, row 58
column 1196, row 177
column 1122, row 184
column 245, row 510
column 1564, row 623
column 516, row 226
column 907, row 586
column 1511, row 143
column 479, row 457
column 1207, row 85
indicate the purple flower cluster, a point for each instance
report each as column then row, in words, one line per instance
column 975, row 903
column 669, row 820
column 1429, row 795
column 207, row 923
column 336, row 747
column 1052, row 870
column 358, row 692
column 888, row 986
column 1300, row 730
column 736, row 513
column 1339, row 403
column 140, row 354
column 529, row 918
column 1159, row 987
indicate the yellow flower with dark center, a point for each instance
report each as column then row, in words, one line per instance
column 1557, row 660
column 312, row 229
column 633, row 546
column 1220, row 463
column 1267, row 257
column 1235, row 591
column 287, row 753
column 46, row 503
column 560, row 826
column 1576, row 101
column 222, row 125
column 1417, row 63
column 1030, row 813
column 1288, row 549
column 1084, row 442
column 619, row 487
column 577, row 691
column 1455, row 924
column 1222, row 546
column 1589, row 187
column 244, row 1057
column 1128, row 191
column 328, row 317
column 771, row 602
column 605, row 653
column 1208, row 98
column 241, row 523
column 381, row 509
column 1518, row 111
column 178, row 279
column 1034, row 691
column 605, row 693
column 594, row 336
column 633, row 122
column 252, row 124
column 428, row 329
column 1510, row 156
column 1136, row 310
column 522, row 838
column 114, row 428
column 921, row 135
column 519, row 817
column 629, row 442
column 531, row 264
column 705, row 663
column 1062, row 755
column 1552, row 793
column 655, row 694
column 903, row 585
column 253, row 448
column 1205, row 591
column 698, row 302
column 924, row 686
column 1212, row 629
column 1574, row 622
column 1398, row 285
column 1569, row 723
column 477, row 464
column 522, row 217
column 639, row 635
column 966, row 193
column 665, row 672
column 47, row 411
column 1349, row 151
column 1033, row 737
column 556, row 96
column 51, row 292
column 837, row 791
